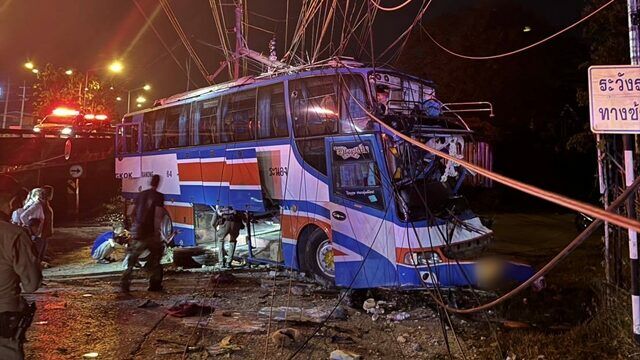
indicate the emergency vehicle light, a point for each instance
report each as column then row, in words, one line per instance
column 61, row 111
column 101, row 117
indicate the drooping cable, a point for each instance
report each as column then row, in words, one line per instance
column 513, row 52
column 393, row 8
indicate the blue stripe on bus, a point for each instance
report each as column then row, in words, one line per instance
column 377, row 270
column 290, row 254
column 233, row 154
column 246, row 200
column 185, row 236
column 307, row 206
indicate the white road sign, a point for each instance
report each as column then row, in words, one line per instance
column 75, row 171
column 614, row 99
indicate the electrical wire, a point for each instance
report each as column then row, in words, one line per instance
column 393, row 8
column 513, row 52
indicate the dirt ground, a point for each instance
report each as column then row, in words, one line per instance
column 85, row 316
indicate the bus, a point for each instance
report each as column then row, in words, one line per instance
column 322, row 187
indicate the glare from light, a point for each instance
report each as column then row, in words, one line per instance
column 36, row 129
column 101, row 117
column 89, row 116
column 62, row 111
column 69, row 72
column 116, row 67
column 147, row 87
column 66, row 131
column 140, row 99
column 35, row 71
column 322, row 111
column 139, row 105
column 118, row 98
column 29, row 65
column 526, row 29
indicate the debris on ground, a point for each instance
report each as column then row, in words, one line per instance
column 223, row 347
column 175, row 349
column 223, row 278
column 148, row 304
column 344, row 355
column 373, row 307
column 228, row 322
column 316, row 315
column 285, row 337
column 399, row 316
column 91, row 355
column 187, row 309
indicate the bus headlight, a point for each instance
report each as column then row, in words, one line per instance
column 66, row 131
column 421, row 258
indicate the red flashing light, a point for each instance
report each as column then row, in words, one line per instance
column 62, row 111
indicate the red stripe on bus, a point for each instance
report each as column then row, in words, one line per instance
column 190, row 172
column 292, row 225
column 180, row 214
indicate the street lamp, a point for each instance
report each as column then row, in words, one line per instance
column 69, row 72
column 35, row 71
column 118, row 98
column 145, row 87
column 29, row 65
column 116, row 67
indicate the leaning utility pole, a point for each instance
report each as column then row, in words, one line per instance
column 24, row 98
column 628, row 144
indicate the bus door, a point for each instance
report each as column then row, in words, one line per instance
column 362, row 213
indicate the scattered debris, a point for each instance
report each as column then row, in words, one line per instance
column 91, row 355
column 187, row 309
column 87, row 295
column 228, row 322
column 224, row 347
column 40, row 322
column 401, row 339
column 416, row 347
column 223, row 278
column 374, row 308
column 339, row 339
column 344, row 355
column 398, row 316
column 510, row 324
column 55, row 305
column 175, row 349
column 316, row 315
column 149, row 304
column 285, row 337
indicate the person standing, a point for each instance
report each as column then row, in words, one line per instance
column 19, row 267
column 229, row 223
column 147, row 212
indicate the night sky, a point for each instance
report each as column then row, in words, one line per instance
column 88, row 34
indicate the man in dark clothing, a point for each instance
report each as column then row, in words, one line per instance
column 147, row 214
column 19, row 267
column 229, row 223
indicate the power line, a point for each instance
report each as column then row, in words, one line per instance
column 394, row 8
column 185, row 41
column 518, row 50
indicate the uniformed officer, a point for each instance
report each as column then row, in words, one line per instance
column 19, row 267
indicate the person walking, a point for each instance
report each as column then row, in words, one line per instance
column 19, row 268
column 147, row 212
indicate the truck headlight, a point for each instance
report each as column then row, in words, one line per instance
column 36, row 129
column 66, row 131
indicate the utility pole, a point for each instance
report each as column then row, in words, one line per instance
column 628, row 144
column 24, row 98
column 6, row 104
column 239, row 39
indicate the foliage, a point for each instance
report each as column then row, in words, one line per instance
column 55, row 88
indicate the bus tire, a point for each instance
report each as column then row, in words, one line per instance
column 318, row 258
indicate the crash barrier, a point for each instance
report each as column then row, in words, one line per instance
column 599, row 215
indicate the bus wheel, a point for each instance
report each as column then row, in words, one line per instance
column 319, row 258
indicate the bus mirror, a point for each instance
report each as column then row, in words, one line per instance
column 397, row 175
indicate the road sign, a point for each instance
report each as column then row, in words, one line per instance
column 67, row 149
column 75, row 171
column 614, row 99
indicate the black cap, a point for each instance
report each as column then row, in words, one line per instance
column 8, row 185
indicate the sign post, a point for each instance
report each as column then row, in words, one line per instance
column 614, row 102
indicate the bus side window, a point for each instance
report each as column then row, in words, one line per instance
column 313, row 153
column 355, row 173
column 153, row 130
column 239, row 120
column 272, row 117
column 314, row 106
column 172, row 127
column 205, row 121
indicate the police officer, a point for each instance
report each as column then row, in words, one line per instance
column 229, row 223
column 19, row 267
column 146, row 236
